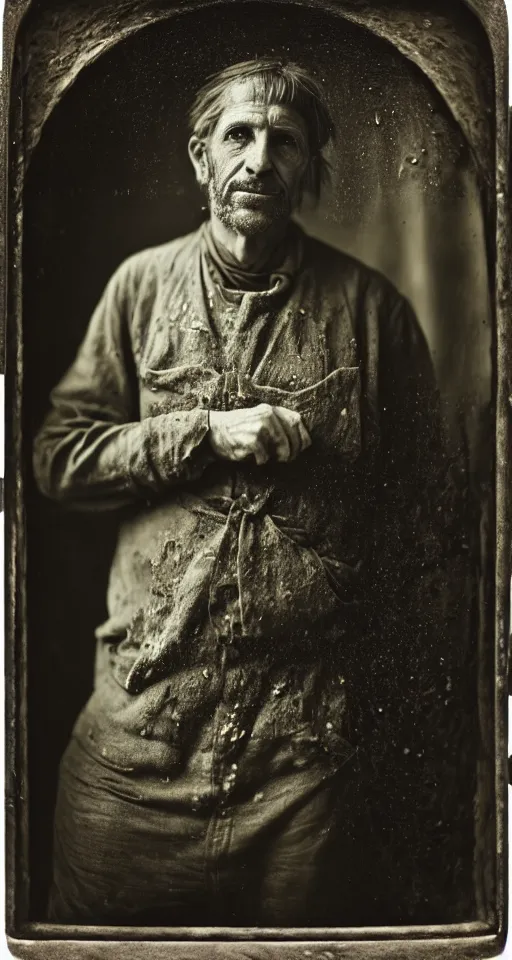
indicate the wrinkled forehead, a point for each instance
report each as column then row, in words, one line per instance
column 249, row 101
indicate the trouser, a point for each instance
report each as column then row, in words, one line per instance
column 166, row 851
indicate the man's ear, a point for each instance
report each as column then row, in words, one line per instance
column 199, row 158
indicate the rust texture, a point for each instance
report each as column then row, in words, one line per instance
column 62, row 40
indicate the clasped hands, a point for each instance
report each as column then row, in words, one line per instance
column 263, row 431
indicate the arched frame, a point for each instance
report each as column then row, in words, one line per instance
column 66, row 38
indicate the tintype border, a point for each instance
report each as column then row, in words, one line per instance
column 475, row 940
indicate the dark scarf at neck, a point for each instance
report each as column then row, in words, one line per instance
column 235, row 277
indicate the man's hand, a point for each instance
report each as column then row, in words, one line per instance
column 262, row 431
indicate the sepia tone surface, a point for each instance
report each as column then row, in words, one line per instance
column 408, row 171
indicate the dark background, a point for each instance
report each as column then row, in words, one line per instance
column 111, row 176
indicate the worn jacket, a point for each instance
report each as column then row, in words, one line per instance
column 228, row 569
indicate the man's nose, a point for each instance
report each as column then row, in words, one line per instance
column 258, row 159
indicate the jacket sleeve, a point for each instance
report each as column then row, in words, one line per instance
column 93, row 451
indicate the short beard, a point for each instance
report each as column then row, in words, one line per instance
column 245, row 221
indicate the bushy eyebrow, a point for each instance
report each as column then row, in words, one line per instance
column 238, row 125
column 250, row 119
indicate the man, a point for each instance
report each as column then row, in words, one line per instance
column 266, row 407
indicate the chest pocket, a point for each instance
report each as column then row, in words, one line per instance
column 177, row 388
column 330, row 408
column 179, row 363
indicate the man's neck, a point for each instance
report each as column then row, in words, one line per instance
column 252, row 253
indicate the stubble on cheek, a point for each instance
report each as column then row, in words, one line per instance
column 234, row 212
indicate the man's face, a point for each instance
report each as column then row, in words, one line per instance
column 256, row 156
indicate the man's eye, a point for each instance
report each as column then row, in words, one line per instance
column 238, row 134
column 283, row 140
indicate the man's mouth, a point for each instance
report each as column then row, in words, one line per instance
column 255, row 191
